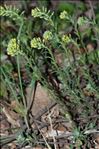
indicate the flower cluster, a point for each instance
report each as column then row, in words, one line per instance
column 66, row 39
column 36, row 12
column 81, row 21
column 36, row 43
column 64, row 15
column 43, row 14
column 47, row 35
column 13, row 47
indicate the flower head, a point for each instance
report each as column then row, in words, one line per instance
column 81, row 21
column 43, row 14
column 36, row 43
column 63, row 15
column 36, row 12
column 47, row 35
column 66, row 39
column 13, row 47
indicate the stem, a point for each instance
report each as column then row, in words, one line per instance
column 20, row 29
column 20, row 81
column 52, row 57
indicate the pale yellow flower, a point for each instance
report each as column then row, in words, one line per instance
column 13, row 47
column 81, row 21
column 36, row 43
column 66, row 39
column 36, row 12
column 47, row 35
column 63, row 15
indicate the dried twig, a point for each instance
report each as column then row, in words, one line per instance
column 54, row 140
column 46, row 109
column 32, row 98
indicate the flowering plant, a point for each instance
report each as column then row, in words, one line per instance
column 57, row 56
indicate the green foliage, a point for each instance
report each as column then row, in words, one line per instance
column 66, row 6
